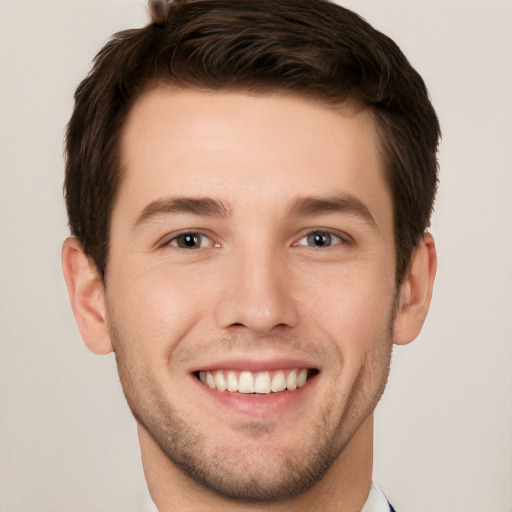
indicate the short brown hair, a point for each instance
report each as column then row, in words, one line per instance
column 310, row 47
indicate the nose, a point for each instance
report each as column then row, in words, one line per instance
column 257, row 294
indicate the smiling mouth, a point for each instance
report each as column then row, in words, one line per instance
column 261, row 383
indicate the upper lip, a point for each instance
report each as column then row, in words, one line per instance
column 256, row 364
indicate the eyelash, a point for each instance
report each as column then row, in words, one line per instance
column 326, row 234
column 174, row 241
column 332, row 239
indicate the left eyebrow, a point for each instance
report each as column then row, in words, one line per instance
column 344, row 203
column 200, row 206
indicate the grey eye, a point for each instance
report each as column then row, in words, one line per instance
column 319, row 239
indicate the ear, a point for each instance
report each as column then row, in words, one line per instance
column 416, row 292
column 87, row 295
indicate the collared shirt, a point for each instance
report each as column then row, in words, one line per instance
column 376, row 502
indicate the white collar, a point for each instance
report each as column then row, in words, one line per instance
column 376, row 502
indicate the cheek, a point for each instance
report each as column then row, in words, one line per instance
column 154, row 309
column 346, row 292
column 351, row 306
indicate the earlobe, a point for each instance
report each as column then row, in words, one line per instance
column 87, row 295
column 416, row 292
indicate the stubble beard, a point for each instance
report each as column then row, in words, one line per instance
column 231, row 472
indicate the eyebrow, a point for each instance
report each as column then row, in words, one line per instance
column 342, row 203
column 201, row 206
column 208, row 207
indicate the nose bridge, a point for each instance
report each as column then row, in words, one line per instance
column 257, row 292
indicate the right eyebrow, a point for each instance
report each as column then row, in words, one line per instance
column 200, row 206
column 341, row 203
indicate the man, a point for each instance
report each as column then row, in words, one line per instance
column 248, row 187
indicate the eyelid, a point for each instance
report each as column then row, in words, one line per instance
column 166, row 241
column 344, row 238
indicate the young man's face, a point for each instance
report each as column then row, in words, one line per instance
column 251, row 245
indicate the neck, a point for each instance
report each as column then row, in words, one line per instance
column 344, row 487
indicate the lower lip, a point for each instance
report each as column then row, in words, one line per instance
column 261, row 405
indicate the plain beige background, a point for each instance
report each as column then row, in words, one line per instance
column 444, row 427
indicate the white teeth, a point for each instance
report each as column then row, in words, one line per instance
column 262, row 383
column 210, row 380
column 279, row 382
column 302, row 377
column 220, row 382
column 291, row 380
column 249, row 383
column 232, row 382
column 246, row 383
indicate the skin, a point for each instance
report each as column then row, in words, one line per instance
column 255, row 177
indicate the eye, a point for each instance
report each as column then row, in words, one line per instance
column 320, row 239
column 191, row 240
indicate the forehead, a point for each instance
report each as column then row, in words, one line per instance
column 247, row 148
